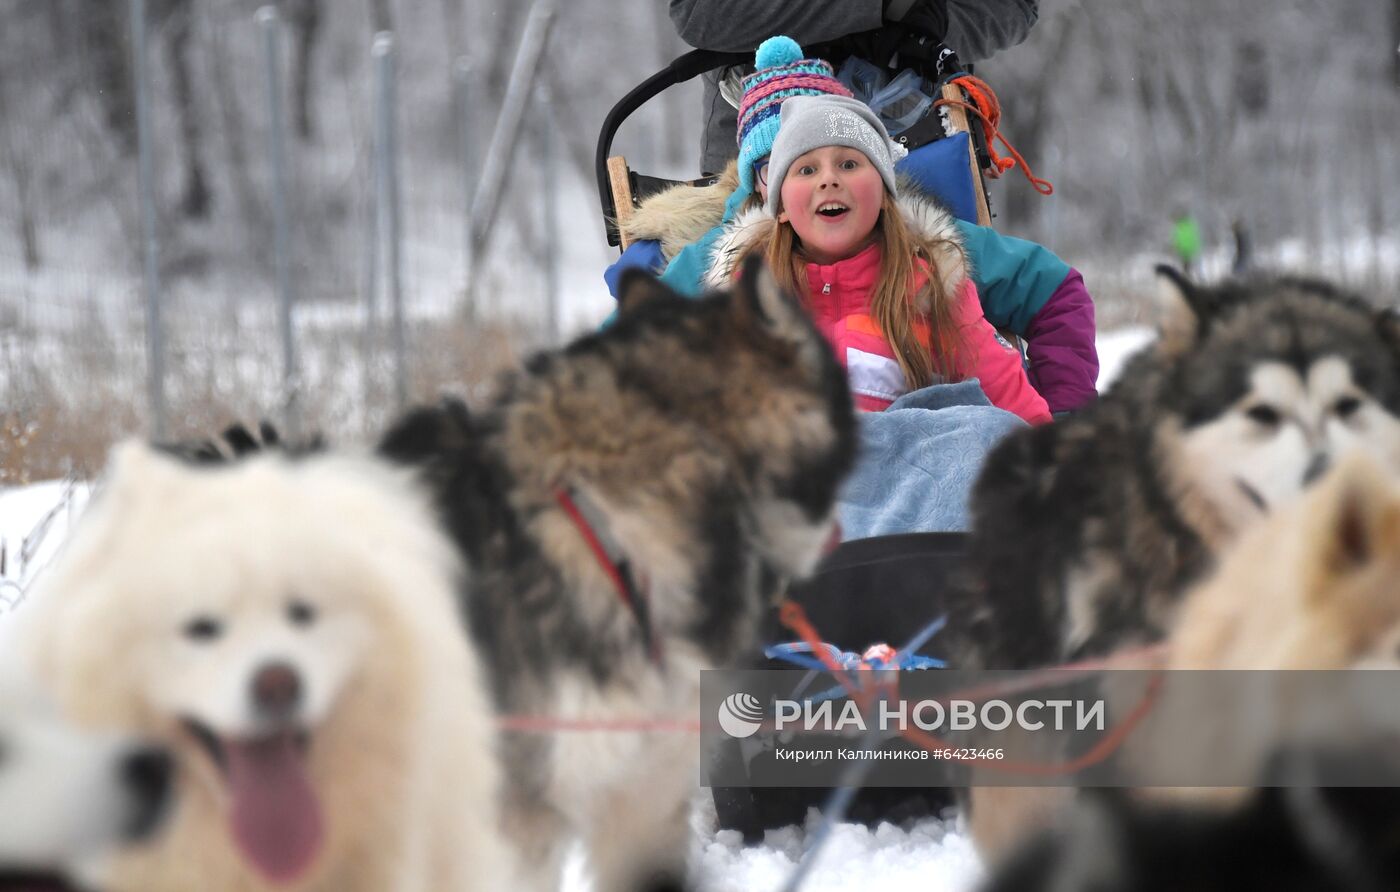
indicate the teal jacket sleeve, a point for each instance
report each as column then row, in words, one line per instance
column 1015, row 277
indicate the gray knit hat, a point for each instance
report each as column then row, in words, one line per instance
column 810, row 122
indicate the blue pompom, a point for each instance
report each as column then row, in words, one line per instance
column 776, row 51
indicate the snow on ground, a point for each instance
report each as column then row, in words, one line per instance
column 929, row 855
column 33, row 521
column 1115, row 347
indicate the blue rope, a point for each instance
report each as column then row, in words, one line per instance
column 798, row 654
column 839, row 802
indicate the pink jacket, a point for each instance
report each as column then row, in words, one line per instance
column 839, row 300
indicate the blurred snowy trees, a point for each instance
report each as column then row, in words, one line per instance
column 1278, row 113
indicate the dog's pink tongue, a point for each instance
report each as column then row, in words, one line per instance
column 276, row 817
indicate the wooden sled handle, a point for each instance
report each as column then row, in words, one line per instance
column 620, row 179
column 958, row 117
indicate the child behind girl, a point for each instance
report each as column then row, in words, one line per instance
column 884, row 278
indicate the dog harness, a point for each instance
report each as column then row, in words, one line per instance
column 593, row 526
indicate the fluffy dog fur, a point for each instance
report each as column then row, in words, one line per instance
column 1314, row 587
column 1311, row 588
column 711, row 436
column 1087, row 531
column 68, row 799
column 289, row 628
column 1299, row 838
column 683, row 213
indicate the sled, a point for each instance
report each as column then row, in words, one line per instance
column 621, row 189
column 868, row 591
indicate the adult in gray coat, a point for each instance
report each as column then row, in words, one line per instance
column 974, row 29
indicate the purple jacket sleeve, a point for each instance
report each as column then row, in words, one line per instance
column 1060, row 343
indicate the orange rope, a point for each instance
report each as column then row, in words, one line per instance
column 987, row 108
column 795, row 618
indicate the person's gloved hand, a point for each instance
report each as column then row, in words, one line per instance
column 645, row 253
column 916, row 32
column 929, row 18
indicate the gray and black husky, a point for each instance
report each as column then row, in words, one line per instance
column 628, row 507
column 1298, row 838
column 1087, row 530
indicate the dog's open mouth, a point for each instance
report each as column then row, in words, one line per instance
column 32, row 881
column 275, row 813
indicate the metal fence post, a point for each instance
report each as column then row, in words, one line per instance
column 270, row 24
column 383, row 54
column 155, row 340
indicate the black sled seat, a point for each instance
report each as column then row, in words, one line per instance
column 958, row 145
column 867, row 591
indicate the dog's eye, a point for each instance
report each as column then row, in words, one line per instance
column 203, row 628
column 1264, row 414
column 300, row 613
column 1346, row 406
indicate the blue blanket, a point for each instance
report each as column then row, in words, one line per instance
column 918, row 460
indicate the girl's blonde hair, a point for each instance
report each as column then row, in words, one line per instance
column 892, row 306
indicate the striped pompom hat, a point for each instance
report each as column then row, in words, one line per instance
column 782, row 73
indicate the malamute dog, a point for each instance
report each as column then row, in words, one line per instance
column 1086, row 531
column 629, row 506
column 68, row 799
column 1317, row 586
column 1297, row 838
column 1311, row 588
column 288, row 626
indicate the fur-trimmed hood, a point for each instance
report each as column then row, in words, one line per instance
column 926, row 218
column 682, row 214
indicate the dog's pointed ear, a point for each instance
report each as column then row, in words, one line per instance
column 429, row 432
column 637, row 287
column 1183, row 310
column 1388, row 324
column 1358, row 506
column 757, row 295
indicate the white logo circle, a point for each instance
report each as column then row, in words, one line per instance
column 740, row 715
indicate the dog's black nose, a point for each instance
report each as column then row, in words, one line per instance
column 145, row 773
column 276, row 689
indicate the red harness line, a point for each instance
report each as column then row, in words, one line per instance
column 794, row 617
column 615, row 565
column 543, row 724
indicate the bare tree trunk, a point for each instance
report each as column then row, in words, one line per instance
column 507, row 16
column 305, row 19
column 1027, row 118
column 234, row 127
column 381, row 15
column 1394, row 43
column 107, row 50
column 196, row 200
column 22, row 173
column 452, row 15
column 672, row 115
column 577, row 136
